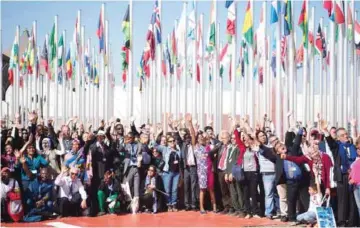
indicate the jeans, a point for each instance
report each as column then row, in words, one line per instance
column 357, row 197
column 171, row 181
column 308, row 216
column 271, row 201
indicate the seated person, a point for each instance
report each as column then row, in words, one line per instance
column 309, row 217
column 7, row 185
column 149, row 199
column 72, row 193
column 108, row 194
column 38, row 196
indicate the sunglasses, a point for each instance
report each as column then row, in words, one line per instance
column 171, row 141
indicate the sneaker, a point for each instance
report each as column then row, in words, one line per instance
column 248, row 216
column 225, row 211
column 174, row 209
column 170, row 208
column 202, row 212
column 241, row 214
column 270, row 217
column 256, row 216
column 284, row 219
column 101, row 213
column 187, row 208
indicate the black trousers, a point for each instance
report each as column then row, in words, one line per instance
column 304, row 197
column 347, row 209
column 292, row 191
column 225, row 193
column 250, row 191
column 190, row 182
column 70, row 207
column 237, row 195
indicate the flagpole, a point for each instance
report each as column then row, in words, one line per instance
column 215, row 70
column 82, row 75
column 168, row 97
column 251, row 73
column 321, row 73
column 268, row 78
column 34, row 75
column 265, row 73
column 325, row 112
column 160, row 76
column 29, row 77
column 233, row 65
column 70, row 91
column 78, row 62
column 1, row 79
column 89, row 100
column 312, row 68
column 93, row 89
column 97, row 93
column 202, row 78
column 37, row 78
column 130, row 87
column 194, row 67
column 340, row 77
column 56, row 108
column 352, row 105
column 106, row 59
column 345, row 66
column 292, row 69
column 64, row 81
column 185, row 69
column 357, row 71
column 278, row 78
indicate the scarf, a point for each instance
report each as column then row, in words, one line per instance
column 347, row 152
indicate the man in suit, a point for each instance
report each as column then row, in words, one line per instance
column 188, row 166
column 219, row 154
column 132, row 163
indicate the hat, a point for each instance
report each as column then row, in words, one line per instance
column 100, row 132
column 74, row 170
column 316, row 134
column 5, row 169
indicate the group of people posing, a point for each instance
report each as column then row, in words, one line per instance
column 245, row 171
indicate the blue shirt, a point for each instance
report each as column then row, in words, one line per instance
column 292, row 170
column 133, row 156
column 33, row 165
column 38, row 190
column 166, row 151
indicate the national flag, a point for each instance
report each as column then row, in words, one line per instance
column 199, row 47
column 14, row 61
column 339, row 12
column 350, row 35
column 155, row 20
column 76, row 37
column 30, row 53
column 212, row 30
column 68, row 65
column 163, row 65
column 275, row 5
column 320, row 43
column 87, row 62
column 60, row 53
column 303, row 23
column 191, row 21
column 283, row 49
column 357, row 37
column 287, row 18
column 52, row 44
column 168, row 58
column 150, row 45
column 100, row 33
column 231, row 20
column 328, row 5
column 126, row 47
column 173, row 48
column 95, row 74
column 300, row 56
column 44, row 57
column 247, row 30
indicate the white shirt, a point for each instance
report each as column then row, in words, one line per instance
column 315, row 201
column 65, row 182
column 5, row 188
column 190, row 160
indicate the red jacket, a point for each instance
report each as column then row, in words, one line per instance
column 325, row 170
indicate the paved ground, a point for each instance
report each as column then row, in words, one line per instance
column 172, row 219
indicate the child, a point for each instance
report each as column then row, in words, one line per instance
column 315, row 201
column 149, row 199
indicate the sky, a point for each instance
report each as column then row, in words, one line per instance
column 15, row 13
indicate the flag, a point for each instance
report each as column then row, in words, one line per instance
column 60, row 51
column 191, row 21
column 300, row 56
column 230, row 22
column 320, row 43
column 150, row 45
column 52, row 44
column 100, row 33
column 44, row 58
column 173, row 48
column 328, row 6
column 30, row 52
column 287, row 18
column 76, row 37
column 339, row 12
column 14, row 57
column 95, row 74
column 126, row 47
column 212, row 30
column 168, row 58
column 199, row 47
column 247, row 30
column 163, row 65
column 303, row 23
column 357, row 37
column 68, row 65
column 349, row 24
column 155, row 20
column 274, row 11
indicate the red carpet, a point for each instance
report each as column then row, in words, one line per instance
column 173, row 219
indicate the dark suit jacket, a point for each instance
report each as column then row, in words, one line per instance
column 232, row 159
column 215, row 155
column 183, row 155
column 334, row 147
column 128, row 153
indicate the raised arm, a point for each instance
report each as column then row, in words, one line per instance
column 192, row 130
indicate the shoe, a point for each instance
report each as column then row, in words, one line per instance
column 295, row 223
column 225, row 211
column 257, row 216
column 270, row 217
column 248, row 216
column 174, row 209
column 202, row 212
column 241, row 214
column 187, row 208
column 101, row 213
column 215, row 211
column 59, row 217
column 170, row 208
column 284, row 219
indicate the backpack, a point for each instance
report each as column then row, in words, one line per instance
column 14, row 206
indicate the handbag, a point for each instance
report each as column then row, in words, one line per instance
column 14, row 207
column 237, row 172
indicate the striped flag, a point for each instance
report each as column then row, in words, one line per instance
column 339, row 12
column 274, row 11
column 230, row 22
column 68, row 65
column 155, row 20
column 287, row 18
column 44, row 57
column 247, row 30
column 357, row 37
column 100, row 33
column 320, row 43
column 14, row 61
column 303, row 23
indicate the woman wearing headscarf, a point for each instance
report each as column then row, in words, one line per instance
column 51, row 155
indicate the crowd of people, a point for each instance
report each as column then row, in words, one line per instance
column 245, row 171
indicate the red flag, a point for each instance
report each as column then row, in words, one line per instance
column 339, row 13
column 328, row 6
column 163, row 66
column 11, row 75
column 198, row 72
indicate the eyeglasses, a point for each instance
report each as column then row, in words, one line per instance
column 151, row 170
column 171, row 141
column 72, row 174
